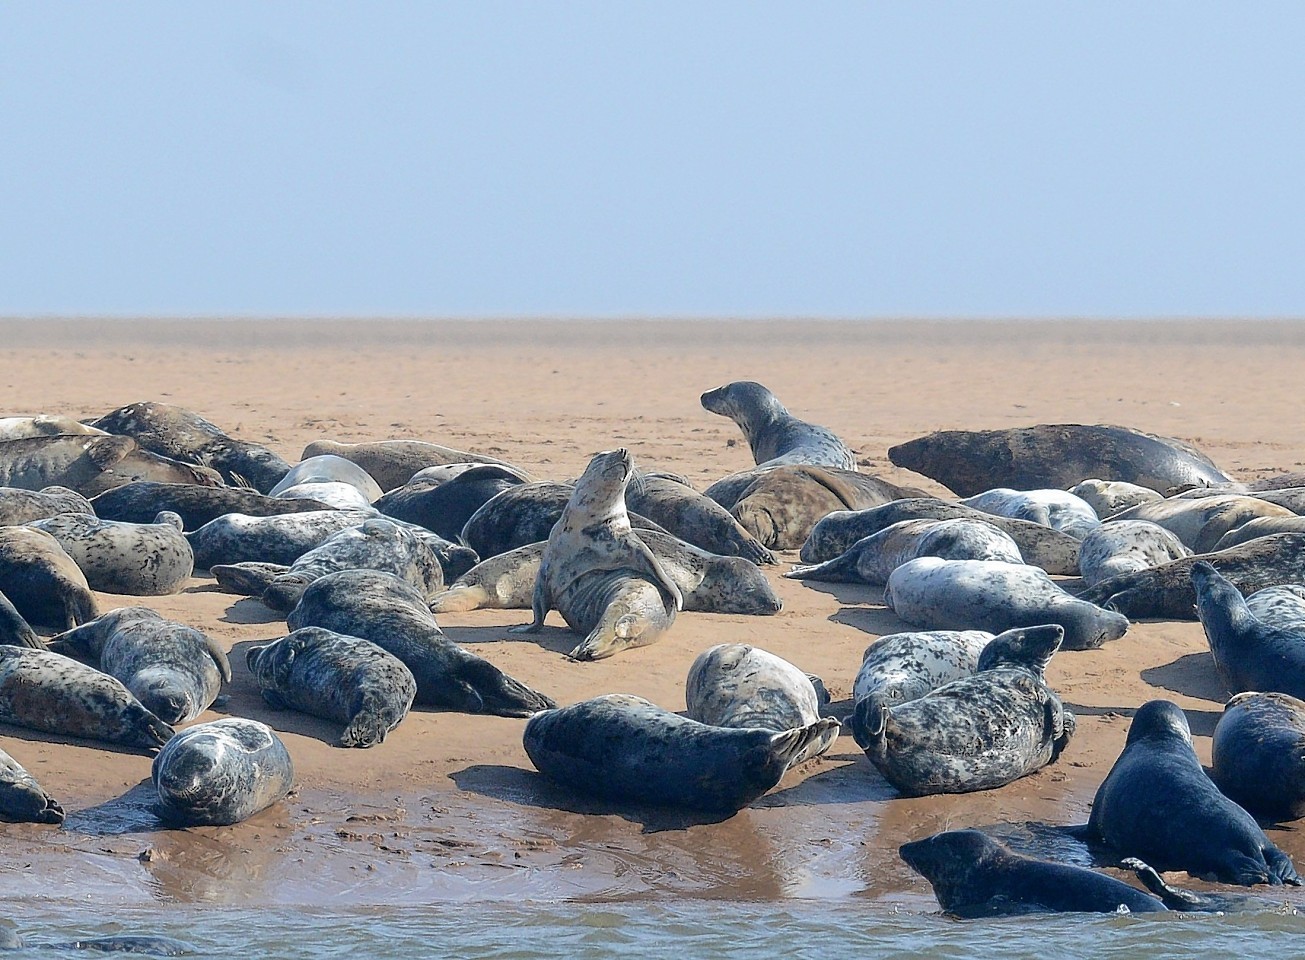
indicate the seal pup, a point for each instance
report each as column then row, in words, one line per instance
column 283, row 539
column 1281, row 606
column 774, row 435
column 23, row 506
column 1109, row 497
column 973, row 875
column 142, row 500
column 873, row 559
column 1157, row 805
column 44, row 584
column 673, row 503
column 47, row 691
column 137, row 559
column 221, row 772
column 336, row 677
column 625, row 749
column 328, row 468
column 977, row 732
column 1260, row 527
column 1123, row 546
column 1201, row 523
column 383, row 609
column 174, row 670
column 1052, row 508
column 1259, row 755
column 737, row 685
column 22, row 799
column 990, row 595
column 91, row 465
column 444, row 503
column 392, row 463
column 14, row 630
column 43, row 425
column 596, row 571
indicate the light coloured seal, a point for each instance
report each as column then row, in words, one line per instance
column 1052, row 508
column 596, row 571
column 336, row 677
column 136, row 559
column 334, row 494
column 47, row 691
column 174, row 670
column 1260, row 527
column 392, row 463
column 221, row 772
column 328, row 468
column 23, row 506
column 44, row 584
column 774, row 435
column 623, row 749
column 1123, row 546
column 741, row 686
column 91, row 465
column 671, row 502
column 989, row 595
column 1258, row 755
column 1109, row 497
column 283, row 539
column 1281, row 606
column 141, row 501
column 1200, row 523
column 43, row 425
column 22, row 799
column 977, row 732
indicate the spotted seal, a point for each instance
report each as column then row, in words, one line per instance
column 236, row 538
column 774, row 435
column 674, row 504
column 1123, row 546
column 23, row 506
column 1158, row 805
column 137, row 559
column 1201, row 523
column 91, row 465
column 1248, row 653
column 1260, row 527
column 14, row 630
column 221, row 772
column 978, row 732
column 392, row 463
column 44, row 584
column 1258, row 755
column 1052, row 508
column 174, row 670
column 444, row 503
column 1281, row 606
column 43, row 425
column 328, row 468
column 625, row 749
column 22, row 799
column 336, row 677
column 990, row 595
column 1109, row 497
column 142, row 500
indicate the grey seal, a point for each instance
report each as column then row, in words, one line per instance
column 1258, row 755
column 44, row 584
column 236, row 538
column 392, row 463
column 1158, row 805
column 221, row 772
column 444, row 503
column 14, row 630
column 672, row 502
column 1281, row 606
column 337, row 677
column 1124, row 546
column 1260, row 527
column 1201, row 523
column 1052, row 508
column 126, row 943
column 978, row 732
column 142, row 500
column 22, row 799
column 774, row 435
column 137, row 559
column 23, row 506
column 91, row 465
column 624, row 749
column 1109, row 497
column 328, row 468
column 43, row 425
column 990, row 595
column 47, row 691
column 332, row 493
column 174, row 670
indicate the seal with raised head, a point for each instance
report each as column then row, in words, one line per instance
column 91, row 465
column 1258, row 755
column 22, row 799
column 283, row 539
column 142, row 500
column 990, row 595
column 1281, row 606
column 174, row 670
column 337, row 677
column 625, row 749
column 1109, row 497
column 1158, row 805
column 442, row 500
column 1123, row 546
column 978, row 732
column 1260, row 527
column 221, row 772
column 137, row 559
column 44, row 584
column 774, row 435
column 23, row 506
column 1202, row 522
column 1052, row 508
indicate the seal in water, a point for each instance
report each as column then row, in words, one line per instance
column 1259, row 755
column 47, row 691
column 136, row 559
column 174, row 670
column 1201, row 523
column 1109, row 497
column 221, row 772
column 1260, row 527
column 775, row 435
column 14, row 630
column 336, row 677
column 1157, row 805
column 383, row 609
column 142, row 500
column 740, row 686
column 392, row 463
column 990, row 595
column 442, row 503
column 283, row 539
column 1281, row 606
column 22, row 799
column 1052, row 508
column 44, row 584
column 91, row 465
column 973, row 875
column 672, row 502
column 978, row 732
column 1124, row 546
column 596, row 571
column 23, row 506
column 1054, row 455
column 129, row 943
column 624, row 749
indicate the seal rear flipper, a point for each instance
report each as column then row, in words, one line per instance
column 26, row 802
column 367, row 729
column 1171, row 897
column 284, row 593
column 248, row 579
column 869, row 724
column 791, row 746
column 460, row 598
column 842, row 569
column 1281, row 869
column 749, row 547
column 219, row 656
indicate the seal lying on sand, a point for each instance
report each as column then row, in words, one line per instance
column 1201, row 523
column 221, row 772
column 23, row 506
column 44, row 584
column 1260, row 527
column 774, row 435
column 1125, row 546
column 142, row 500
column 283, row 539
column 22, row 799
column 443, row 503
column 1052, row 508
column 1259, row 755
column 674, row 504
column 137, row 559
column 91, row 465
column 328, row 468
column 1281, row 606
column 1248, row 653
column 391, row 463
column 1109, row 497
column 43, row 425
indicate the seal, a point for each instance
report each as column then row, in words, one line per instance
column 1056, row 455
column 328, row 468
column 672, row 503
column 383, row 609
column 977, row 732
column 443, row 503
column 740, row 686
column 137, row 559
column 237, row 538
column 625, row 749
column 989, row 595
column 1052, row 508
column 775, row 435
column 174, row 670
column 47, row 691
column 1259, row 755
column 23, row 506
column 1157, row 805
column 1109, row 497
column 1053, row 551
column 596, row 571
column 335, row 677
column 43, row 425
column 1201, row 523
column 129, row 943
column 334, row 494
column 22, row 799
column 1282, row 606
column 973, row 876
column 221, row 772
column 91, row 465
column 392, row 463
column 1260, row 527
column 14, row 630
column 185, row 436
column 1124, row 546
column 873, row 559
column 44, row 584
column 143, row 500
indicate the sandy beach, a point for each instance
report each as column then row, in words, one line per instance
column 449, row 807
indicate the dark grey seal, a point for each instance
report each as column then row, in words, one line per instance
column 673, row 503
column 444, row 504
column 1259, row 755
column 136, row 559
column 1202, row 522
column 22, row 799
column 775, row 435
column 126, row 943
column 392, row 463
column 44, row 584
column 23, row 506
column 283, row 539
column 1157, row 805
column 221, row 772
column 91, row 465
column 143, row 500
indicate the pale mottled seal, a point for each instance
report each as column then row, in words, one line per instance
column 383, row 609
column 328, row 468
column 91, row 465
column 1158, row 805
column 978, row 732
column 622, row 748
column 22, row 799
column 873, row 559
column 1200, row 523
column 183, row 435
column 334, row 494
column 221, row 772
column 1260, row 527
column 141, row 501
column 1109, row 497
column 138, row 559
column 1258, row 756
column 990, row 595
column 43, row 583
column 443, row 503
column 337, row 677
column 391, row 463
column 1052, row 508
column 283, row 539
column 1123, row 546
column 1281, row 606
column 775, row 435
column 14, row 630
column 43, row 425
column 1054, row 455
column 23, row 506
column 174, row 670
column 674, row 504
column 596, row 571
column 737, row 685
column 56, row 694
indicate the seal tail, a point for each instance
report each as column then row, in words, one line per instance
column 794, row 746
column 460, row 598
column 248, row 579
column 869, row 723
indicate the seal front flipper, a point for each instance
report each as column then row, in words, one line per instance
column 646, row 562
column 1281, row 869
column 16, row 631
column 539, row 605
column 1172, row 897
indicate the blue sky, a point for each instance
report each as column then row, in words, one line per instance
column 652, row 159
